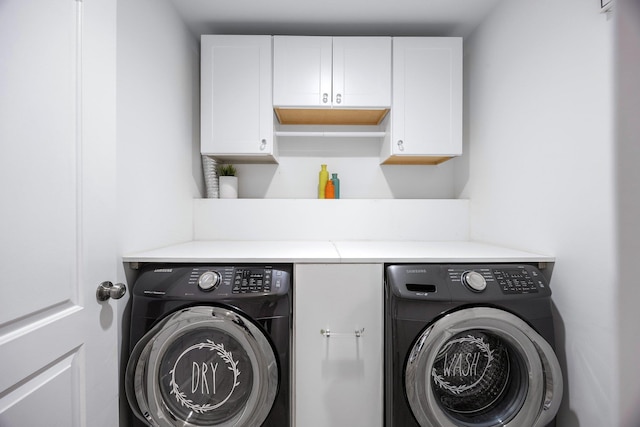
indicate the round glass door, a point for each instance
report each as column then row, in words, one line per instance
column 203, row 366
column 482, row 367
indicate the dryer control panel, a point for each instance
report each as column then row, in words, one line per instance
column 257, row 280
column 214, row 281
column 240, row 279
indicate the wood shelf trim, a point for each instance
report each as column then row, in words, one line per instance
column 355, row 134
column 330, row 116
column 416, row 160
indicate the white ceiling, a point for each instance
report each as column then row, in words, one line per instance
column 335, row 17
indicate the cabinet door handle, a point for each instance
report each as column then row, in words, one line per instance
column 338, row 99
column 325, row 98
column 327, row 333
column 263, row 144
column 400, row 145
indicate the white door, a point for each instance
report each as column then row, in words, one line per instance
column 58, row 348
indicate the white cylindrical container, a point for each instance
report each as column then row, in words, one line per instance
column 228, row 187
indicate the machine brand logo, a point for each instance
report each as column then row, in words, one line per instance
column 163, row 270
column 417, row 271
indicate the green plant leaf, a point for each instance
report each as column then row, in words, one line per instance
column 226, row 170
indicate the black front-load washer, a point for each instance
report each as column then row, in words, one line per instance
column 469, row 346
column 210, row 346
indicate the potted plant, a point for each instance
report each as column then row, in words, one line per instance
column 228, row 181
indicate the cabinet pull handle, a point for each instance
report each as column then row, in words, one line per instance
column 327, row 333
column 400, row 145
column 338, row 99
column 325, row 98
column 263, row 144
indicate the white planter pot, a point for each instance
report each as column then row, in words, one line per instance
column 228, row 187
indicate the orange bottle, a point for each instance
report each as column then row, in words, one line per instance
column 330, row 190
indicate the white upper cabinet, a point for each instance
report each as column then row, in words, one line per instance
column 407, row 89
column 236, row 102
column 332, row 72
column 302, row 71
column 426, row 114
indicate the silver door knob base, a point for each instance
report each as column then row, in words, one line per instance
column 108, row 290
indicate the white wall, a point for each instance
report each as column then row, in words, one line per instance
column 628, row 203
column 539, row 174
column 361, row 177
column 158, row 145
column 332, row 220
column 159, row 164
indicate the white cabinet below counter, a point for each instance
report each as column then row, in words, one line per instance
column 338, row 373
column 236, row 107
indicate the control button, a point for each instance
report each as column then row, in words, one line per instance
column 474, row 281
column 209, row 280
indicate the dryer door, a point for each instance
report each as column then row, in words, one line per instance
column 203, row 366
column 481, row 367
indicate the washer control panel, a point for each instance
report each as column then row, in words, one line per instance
column 475, row 278
column 477, row 282
column 518, row 280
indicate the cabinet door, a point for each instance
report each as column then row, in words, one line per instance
column 236, row 105
column 361, row 72
column 427, row 97
column 302, row 71
column 338, row 379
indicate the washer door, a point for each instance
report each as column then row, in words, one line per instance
column 203, row 366
column 481, row 367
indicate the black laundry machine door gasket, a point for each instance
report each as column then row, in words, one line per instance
column 532, row 402
column 203, row 365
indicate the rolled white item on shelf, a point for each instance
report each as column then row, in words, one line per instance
column 210, row 171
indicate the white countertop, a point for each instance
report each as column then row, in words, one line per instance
column 234, row 251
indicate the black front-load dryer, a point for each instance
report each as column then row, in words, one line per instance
column 469, row 346
column 210, row 346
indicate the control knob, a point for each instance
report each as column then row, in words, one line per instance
column 474, row 281
column 209, row 280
